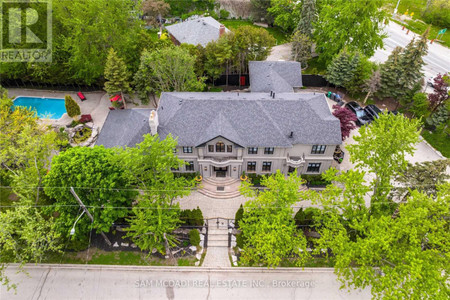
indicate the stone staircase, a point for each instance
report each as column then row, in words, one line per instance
column 217, row 254
column 217, row 237
column 220, row 188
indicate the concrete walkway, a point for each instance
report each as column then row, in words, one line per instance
column 280, row 52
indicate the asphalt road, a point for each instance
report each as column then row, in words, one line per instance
column 133, row 282
column 437, row 60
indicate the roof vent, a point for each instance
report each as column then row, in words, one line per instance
column 271, row 92
column 291, row 135
column 273, row 95
column 180, row 101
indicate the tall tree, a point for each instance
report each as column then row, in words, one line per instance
column 285, row 14
column 269, row 231
column 347, row 23
column 167, row 69
column 25, row 149
column 381, row 148
column 26, row 236
column 347, row 119
column 218, row 56
column 424, row 177
column 342, row 69
column 116, row 74
column 390, row 73
column 259, row 11
column 372, row 85
column 400, row 256
column 101, row 184
column 152, row 224
column 154, row 10
column 149, row 166
column 301, row 48
column 308, row 17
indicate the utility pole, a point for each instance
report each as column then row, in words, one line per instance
column 88, row 214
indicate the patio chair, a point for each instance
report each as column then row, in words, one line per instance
column 81, row 96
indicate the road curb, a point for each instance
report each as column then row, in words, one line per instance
column 173, row 269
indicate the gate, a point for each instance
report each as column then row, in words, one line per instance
column 218, row 223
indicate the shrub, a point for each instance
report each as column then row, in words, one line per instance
column 192, row 217
column 240, row 240
column 238, row 216
column 306, row 217
column 194, row 237
column 189, row 176
column 419, row 105
column 255, row 179
column 315, row 180
column 224, row 14
column 72, row 108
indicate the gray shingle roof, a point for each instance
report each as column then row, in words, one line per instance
column 248, row 119
column 277, row 76
column 124, row 128
column 199, row 31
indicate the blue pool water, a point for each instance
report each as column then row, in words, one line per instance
column 46, row 108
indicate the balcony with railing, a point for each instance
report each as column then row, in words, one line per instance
column 295, row 161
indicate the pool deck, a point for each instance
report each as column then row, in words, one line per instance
column 96, row 105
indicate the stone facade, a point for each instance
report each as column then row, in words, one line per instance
column 239, row 159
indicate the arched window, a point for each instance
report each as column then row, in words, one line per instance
column 220, row 147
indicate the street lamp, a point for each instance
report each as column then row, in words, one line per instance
column 72, row 231
column 396, row 8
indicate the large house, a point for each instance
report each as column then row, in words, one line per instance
column 225, row 134
column 196, row 32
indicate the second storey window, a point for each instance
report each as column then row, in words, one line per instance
column 318, row 149
column 210, row 148
column 267, row 166
column 190, row 166
column 229, row 148
column 313, row 168
column 268, row 150
column 187, row 149
column 252, row 150
column 220, row 147
column 251, row 166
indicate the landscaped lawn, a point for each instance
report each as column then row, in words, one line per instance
column 100, row 257
column 280, row 36
column 439, row 140
column 315, row 67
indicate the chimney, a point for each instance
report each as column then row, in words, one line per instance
column 153, row 122
column 221, row 30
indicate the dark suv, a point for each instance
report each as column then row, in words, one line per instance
column 372, row 111
column 361, row 116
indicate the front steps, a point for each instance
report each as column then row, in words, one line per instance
column 230, row 187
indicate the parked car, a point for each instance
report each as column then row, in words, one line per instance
column 361, row 116
column 372, row 111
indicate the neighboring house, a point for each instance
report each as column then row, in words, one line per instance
column 275, row 76
column 225, row 134
column 196, row 32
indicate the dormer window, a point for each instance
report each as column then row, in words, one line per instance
column 318, row 149
column 220, row 147
column 210, row 148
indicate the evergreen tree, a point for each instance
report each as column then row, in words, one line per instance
column 116, row 74
column 402, row 72
column 342, row 68
column 238, row 216
column 72, row 107
column 390, row 73
column 440, row 116
column 301, row 48
column 307, row 18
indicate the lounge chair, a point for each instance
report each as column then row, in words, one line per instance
column 81, row 96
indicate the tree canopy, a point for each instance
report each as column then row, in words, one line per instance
column 348, row 23
column 269, row 231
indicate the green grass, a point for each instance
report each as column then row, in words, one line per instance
column 280, row 36
column 315, row 67
column 214, row 89
column 439, row 140
column 100, row 257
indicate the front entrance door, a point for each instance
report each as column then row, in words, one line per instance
column 221, row 172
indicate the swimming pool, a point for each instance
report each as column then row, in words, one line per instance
column 46, row 108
